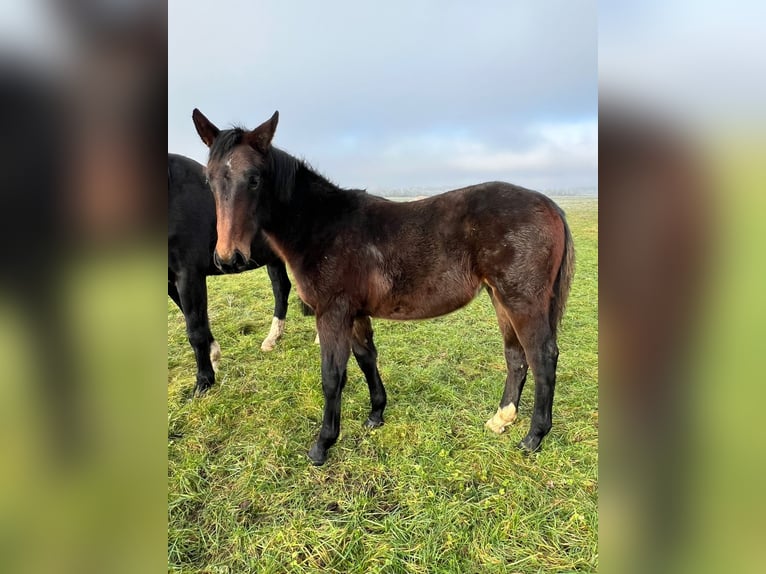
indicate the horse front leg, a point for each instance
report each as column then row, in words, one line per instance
column 335, row 342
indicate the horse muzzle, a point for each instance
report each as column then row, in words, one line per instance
column 235, row 262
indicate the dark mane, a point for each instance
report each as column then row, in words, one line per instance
column 287, row 169
column 283, row 169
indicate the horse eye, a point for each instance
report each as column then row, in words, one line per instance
column 253, row 181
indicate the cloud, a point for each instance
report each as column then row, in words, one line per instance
column 396, row 93
column 569, row 146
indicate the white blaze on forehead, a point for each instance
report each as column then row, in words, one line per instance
column 228, row 162
column 375, row 253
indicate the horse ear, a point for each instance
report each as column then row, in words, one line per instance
column 205, row 128
column 260, row 138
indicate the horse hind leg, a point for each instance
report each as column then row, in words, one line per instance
column 516, row 363
column 539, row 342
column 280, row 287
column 366, row 355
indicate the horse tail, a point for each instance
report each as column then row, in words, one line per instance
column 563, row 283
column 305, row 309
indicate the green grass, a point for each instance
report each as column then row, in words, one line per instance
column 430, row 491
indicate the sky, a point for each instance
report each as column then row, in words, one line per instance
column 396, row 95
column 698, row 61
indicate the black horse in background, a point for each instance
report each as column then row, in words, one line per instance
column 191, row 243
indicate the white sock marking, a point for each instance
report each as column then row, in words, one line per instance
column 215, row 354
column 277, row 329
column 502, row 418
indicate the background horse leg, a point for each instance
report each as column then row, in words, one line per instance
column 215, row 348
column 335, row 334
column 366, row 356
column 192, row 289
column 516, row 363
column 173, row 292
column 280, row 286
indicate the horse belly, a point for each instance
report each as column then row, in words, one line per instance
column 431, row 301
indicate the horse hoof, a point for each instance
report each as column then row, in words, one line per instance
column 496, row 428
column 204, row 382
column 317, row 455
column 201, row 390
column 371, row 423
column 502, row 418
column 267, row 346
column 530, row 444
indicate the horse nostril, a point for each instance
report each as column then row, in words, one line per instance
column 239, row 259
column 236, row 262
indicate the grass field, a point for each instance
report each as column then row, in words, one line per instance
column 430, row 491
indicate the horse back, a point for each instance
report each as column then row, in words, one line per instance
column 477, row 229
column 429, row 257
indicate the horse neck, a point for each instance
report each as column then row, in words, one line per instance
column 297, row 216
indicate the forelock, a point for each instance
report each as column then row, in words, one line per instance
column 225, row 142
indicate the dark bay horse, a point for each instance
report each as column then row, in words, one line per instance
column 191, row 259
column 356, row 256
